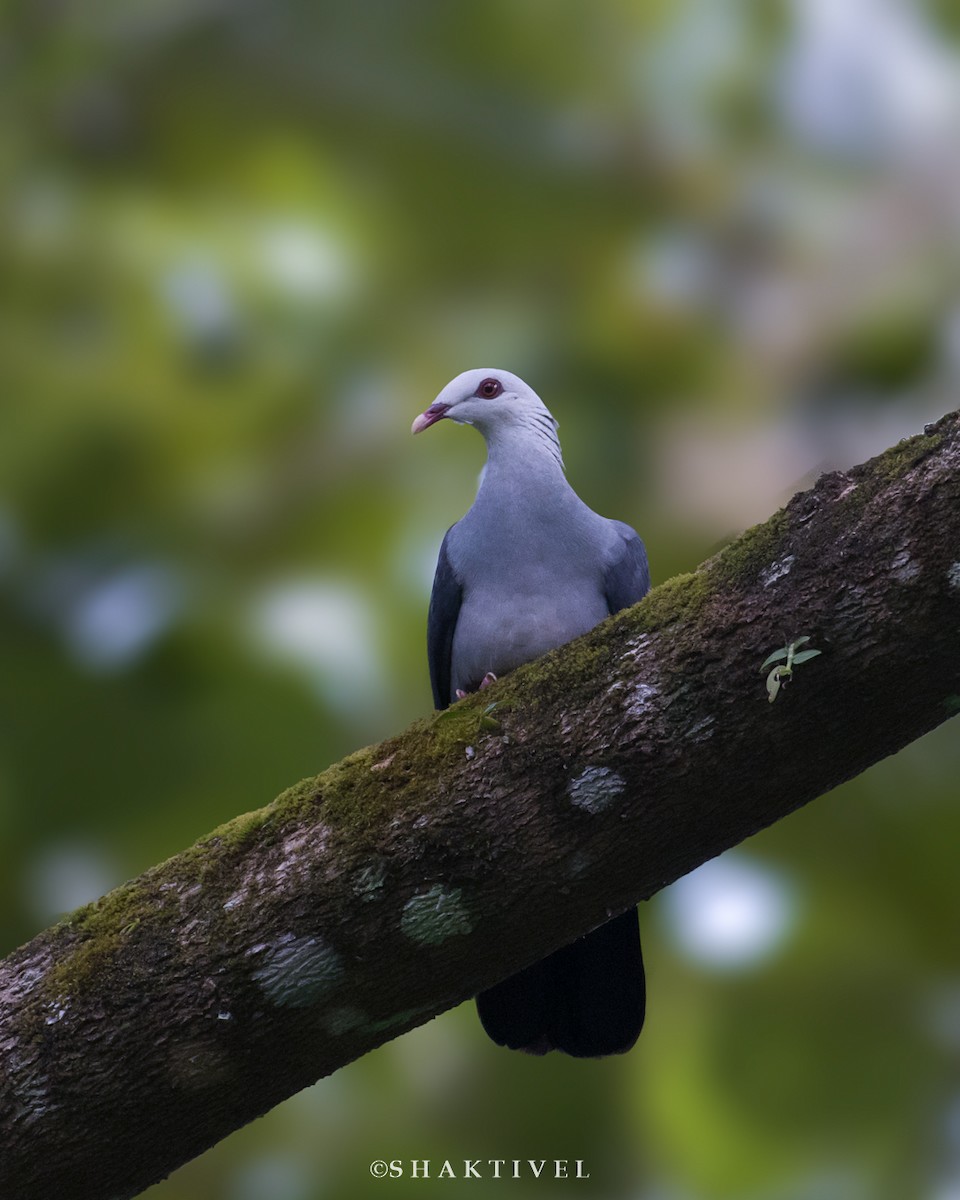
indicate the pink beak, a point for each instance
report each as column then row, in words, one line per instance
column 435, row 413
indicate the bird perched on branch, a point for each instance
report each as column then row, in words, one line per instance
column 528, row 568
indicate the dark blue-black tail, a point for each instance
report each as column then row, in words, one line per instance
column 587, row 999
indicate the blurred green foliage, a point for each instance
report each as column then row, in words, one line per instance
column 242, row 246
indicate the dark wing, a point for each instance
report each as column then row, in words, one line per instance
column 627, row 579
column 442, row 616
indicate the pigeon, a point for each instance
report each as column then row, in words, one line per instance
column 529, row 567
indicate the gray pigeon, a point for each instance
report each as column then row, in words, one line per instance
column 528, row 568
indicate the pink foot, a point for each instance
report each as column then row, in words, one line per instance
column 484, row 683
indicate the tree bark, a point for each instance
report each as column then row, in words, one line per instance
column 146, row 1026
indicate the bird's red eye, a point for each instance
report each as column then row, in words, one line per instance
column 489, row 388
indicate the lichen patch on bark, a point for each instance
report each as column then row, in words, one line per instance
column 595, row 788
column 297, row 972
column 432, row 916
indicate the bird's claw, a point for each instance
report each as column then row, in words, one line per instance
column 484, row 683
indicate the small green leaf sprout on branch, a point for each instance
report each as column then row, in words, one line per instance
column 472, row 724
column 783, row 672
column 483, row 723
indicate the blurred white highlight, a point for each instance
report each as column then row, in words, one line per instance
column 327, row 629
column 729, row 913
column 882, row 95
column 65, row 875
column 304, row 260
column 200, row 300
column 116, row 620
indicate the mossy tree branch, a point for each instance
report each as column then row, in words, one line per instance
column 358, row 904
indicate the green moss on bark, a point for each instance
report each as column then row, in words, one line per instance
column 743, row 560
column 892, row 464
column 676, row 599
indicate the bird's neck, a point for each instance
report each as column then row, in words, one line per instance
column 522, row 464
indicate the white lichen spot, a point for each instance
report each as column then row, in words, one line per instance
column 342, row 1020
column 637, row 645
column 903, row 568
column 188, row 928
column 953, row 575
column 851, row 487
column 777, row 570
column 432, row 916
column 640, row 698
column 296, row 972
column 56, row 1010
column 26, row 981
column 595, row 787
column 700, row 730
column 283, row 869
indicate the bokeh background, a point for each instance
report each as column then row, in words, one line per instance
column 242, row 245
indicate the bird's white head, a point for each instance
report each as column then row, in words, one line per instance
column 493, row 400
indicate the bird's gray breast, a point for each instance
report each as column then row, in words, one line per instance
column 520, row 602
